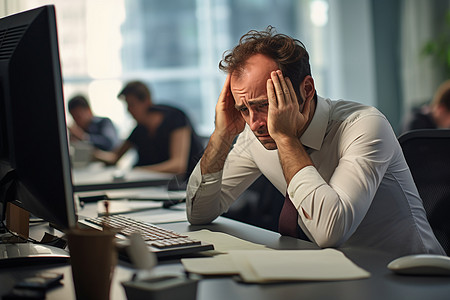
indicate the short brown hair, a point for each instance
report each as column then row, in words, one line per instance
column 442, row 95
column 78, row 101
column 290, row 54
column 137, row 89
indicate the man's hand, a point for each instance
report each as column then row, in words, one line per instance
column 77, row 134
column 285, row 119
column 286, row 123
column 229, row 122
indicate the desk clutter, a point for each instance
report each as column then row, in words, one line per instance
column 239, row 260
column 161, row 288
column 265, row 266
column 255, row 263
column 34, row 287
column 147, row 285
column 249, row 262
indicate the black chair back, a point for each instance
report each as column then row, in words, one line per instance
column 427, row 152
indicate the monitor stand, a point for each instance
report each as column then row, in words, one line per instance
column 20, row 254
column 25, row 254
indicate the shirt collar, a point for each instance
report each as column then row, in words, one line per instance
column 315, row 133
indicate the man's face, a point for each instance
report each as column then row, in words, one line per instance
column 441, row 116
column 137, row 108
column 250, row 94
column 82, row 116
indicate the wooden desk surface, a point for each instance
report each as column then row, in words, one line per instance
column 382, row 284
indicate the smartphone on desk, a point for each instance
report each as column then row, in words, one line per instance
column 41, row 281
column 34, row 287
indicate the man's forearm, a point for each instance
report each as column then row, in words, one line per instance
column 293, row 157
column 216, row 153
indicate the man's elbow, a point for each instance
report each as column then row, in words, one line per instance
column 330, row 237
column 327, row 242
column 196, row 217
column 199, row 220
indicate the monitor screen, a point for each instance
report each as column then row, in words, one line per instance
column 34, row 157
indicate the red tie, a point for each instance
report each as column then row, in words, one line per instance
column 288, row 221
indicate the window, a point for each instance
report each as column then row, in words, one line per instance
column 173, row 46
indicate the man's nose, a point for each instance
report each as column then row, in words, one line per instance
column 257, row 120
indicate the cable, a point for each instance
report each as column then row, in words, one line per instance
column 29, row 239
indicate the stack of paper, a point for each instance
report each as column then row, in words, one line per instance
column 263, row 266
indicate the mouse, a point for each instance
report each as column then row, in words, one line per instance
column 421, row 264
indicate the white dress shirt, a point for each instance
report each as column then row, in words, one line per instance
column 359, row 192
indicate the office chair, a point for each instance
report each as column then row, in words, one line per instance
column 427, row 152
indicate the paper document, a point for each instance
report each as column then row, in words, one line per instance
column 262, row 266
column 223, row 242
column 150, row 193
column 125, row 206
column 167, row 217
column 217, row 265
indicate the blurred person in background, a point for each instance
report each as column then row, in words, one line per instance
column 164, row 138
column 434, row 115
column 100, row 132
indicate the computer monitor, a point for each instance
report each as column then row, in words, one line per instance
column 35, row 169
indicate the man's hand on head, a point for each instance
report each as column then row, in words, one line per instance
column 228, row 121
column 228, row 124
column 285, row 120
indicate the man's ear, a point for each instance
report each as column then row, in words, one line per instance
column 307, row 88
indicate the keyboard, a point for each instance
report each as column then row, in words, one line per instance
column 163, row 242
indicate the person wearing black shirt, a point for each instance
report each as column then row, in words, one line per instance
column 163, row 137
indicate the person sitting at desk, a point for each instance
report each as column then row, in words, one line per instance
column 338, row 162
column 99, row 131
column 164, row 138
column 431, row 116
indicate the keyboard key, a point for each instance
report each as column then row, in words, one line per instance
column 156, row 236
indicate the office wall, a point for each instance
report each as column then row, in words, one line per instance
column 386, row 33
column 352, row 58
column 8, row 7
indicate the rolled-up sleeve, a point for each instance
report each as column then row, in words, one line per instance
column 210, row 195
column 203, row 191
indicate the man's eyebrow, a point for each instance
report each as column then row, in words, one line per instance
column 258, row 101
column 251, row 103
column 239, row 107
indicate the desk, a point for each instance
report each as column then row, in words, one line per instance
column 381, row 285
column 96, row 177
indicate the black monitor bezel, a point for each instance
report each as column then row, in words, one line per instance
column 41, row 28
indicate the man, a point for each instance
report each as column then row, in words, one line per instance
column 98, row 131
column 164, row 138
column 432, row 116
column 339, row 162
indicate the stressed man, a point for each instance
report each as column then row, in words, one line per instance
column 338, row 162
